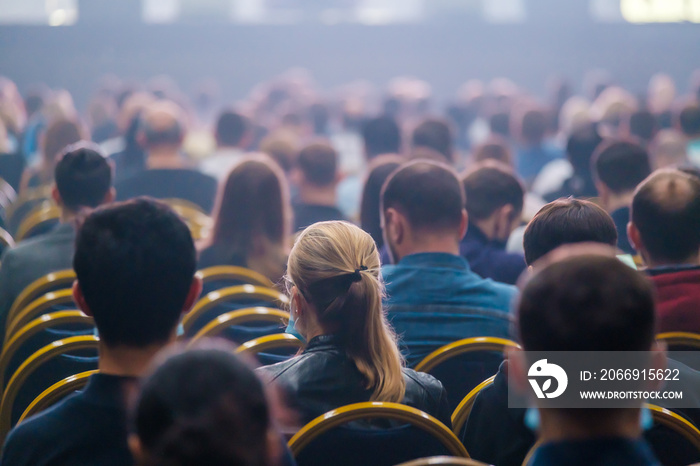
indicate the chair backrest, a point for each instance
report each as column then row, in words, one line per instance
column 38, row 307
column 56, row 393
column 680, row 341
column 6, row 240
column 24, row 204
column 676, row 423
column 240, row 275
column 462, row 365
column 38, row 221
column 8, row 195
column 273, row 342
column 196, row 219
column 443, row 461
column 346, row 446
column 461, row 413
column 29, row 366
column 233, row 294
column 38, row 325
column 53, row 281
column 234, row 318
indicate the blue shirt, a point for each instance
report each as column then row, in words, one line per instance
column 601, row 452
column 434, row 299
column 490, row 259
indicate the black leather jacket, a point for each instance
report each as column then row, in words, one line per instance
column 324, row 378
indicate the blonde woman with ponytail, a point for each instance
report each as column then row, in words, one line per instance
column 336, row 289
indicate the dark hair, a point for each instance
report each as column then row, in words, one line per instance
column 490, row 187
column 381, row 136
column 59, row 134
column 135, row 262
column 370, row 218
column 83, row 176
column 434, row 134
column 252, row 201
column 587, row 303
column 689, row 120
column 231, row 127
column 621, row 165
column 319, row 164
column 567, row 221
column 203, row 406
column 581, row 145
column 666, row 211
column 532, row 126
column 499, row 124
column 429, row 194
column 643, row 125
column 494, row 148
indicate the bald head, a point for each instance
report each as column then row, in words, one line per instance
column 665, row 218
column 162, row 125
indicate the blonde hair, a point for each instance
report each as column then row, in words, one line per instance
column 327, row 264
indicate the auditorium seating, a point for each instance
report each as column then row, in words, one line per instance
column 40, row 220
column 56, row 393
column 51, row 301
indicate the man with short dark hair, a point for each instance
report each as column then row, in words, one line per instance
column 665, row 230
column 233, row 135
column 533, row 153
column 619, row 166
column 588, row 301
column 436, row 135
column 168, row 175
column 83, row 180
column 434, row 298
column 567, row 221
column 494, row 205
column 689, row 123
column 316, row 177
column 135, row 264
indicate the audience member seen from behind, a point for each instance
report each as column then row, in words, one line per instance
column 495, row 148
column 135, row 264
column 316, row 177
column 494, row 206
column 251, row 220
column 370, row 218
column 433, row 296
column 619, row 167
column 689, row 124
column 233, row 136
column 381, row 136
column 351, row 354
column 533, row 153
column 168, row 175
column 53, row 141
column 202, row 406
column 669, row 150
column 436, row 135
column 588, row 302
column 82, row 181
column 665, row 230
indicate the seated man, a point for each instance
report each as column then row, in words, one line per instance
column 83, row 180
column 136, row 264
column 665, row 230
column 316, row 176
column 619, row 166
column 233, row 135
column 494, row 204
column 587, row 301
column 433, row 297
column 167, row 175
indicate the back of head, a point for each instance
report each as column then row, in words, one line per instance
column 642, row 125
column 379, row 171
column 252, row 202
column 581, row 145
column 318, row 163
column 381, row 136
column 491, row 186
column 669, row 149
column 567, row 221
column 202, row 406
column 666, row 211
column 587, row 302
column 532, row 126
column 429, row 194
column 135, row 262
column 335, row 267
column 83, row 177
column 495, row 148
column 689, row 120
column 231, row 128
column 499, row 124
column 59, row 134
column 434, row 134
column 162, row 125
column 621, row 165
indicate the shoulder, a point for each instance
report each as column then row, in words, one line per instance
column 275, row 371
column 421, row 381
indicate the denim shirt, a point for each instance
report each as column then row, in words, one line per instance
column 434, row 299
